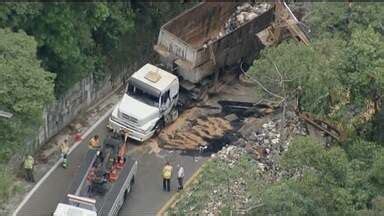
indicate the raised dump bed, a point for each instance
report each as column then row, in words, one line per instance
column 212, row 35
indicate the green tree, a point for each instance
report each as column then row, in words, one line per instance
column 331, row 165
column 377, row 174
column 329, row 19
column 25, row 87
column 318, row 182
column 282, row 199
column 136, row 47
column 74, row 39
column 15, row 15
column 364, row 71
column 313, row 68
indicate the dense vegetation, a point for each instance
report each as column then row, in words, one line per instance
column 341, row 75
column 73, row 38
column 25, row 87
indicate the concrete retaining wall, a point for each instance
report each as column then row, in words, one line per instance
column 80, row 97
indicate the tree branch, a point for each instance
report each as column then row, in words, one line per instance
column 261, row 85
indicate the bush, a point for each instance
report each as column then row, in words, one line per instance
column 7, row 186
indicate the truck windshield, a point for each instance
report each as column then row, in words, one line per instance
column 143, row 96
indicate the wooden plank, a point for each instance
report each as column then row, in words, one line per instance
column 308, row 119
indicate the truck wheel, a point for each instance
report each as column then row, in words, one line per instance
column 125, row 195
column 126, row 192
column 132, row 181
column 159, row 126
column 174, row 114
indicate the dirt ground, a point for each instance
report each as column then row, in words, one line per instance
column 196, row 126
column 192, row 132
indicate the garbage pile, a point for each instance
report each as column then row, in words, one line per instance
column 220, row 198
column 243, row 14
column 230, row 155
column 236, row 192
column 266, row 143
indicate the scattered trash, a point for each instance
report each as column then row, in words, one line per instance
column 237, row 190
column 243, row 14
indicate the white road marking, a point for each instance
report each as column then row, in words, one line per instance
column 75, row 145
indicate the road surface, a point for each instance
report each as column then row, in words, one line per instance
column 147, row 196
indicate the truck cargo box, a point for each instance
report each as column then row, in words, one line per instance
column 212, row 35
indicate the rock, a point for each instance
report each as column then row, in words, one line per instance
column 261, row 166
column 290, row 115
column 275, row 141
column 231, row 117
column 77, row 127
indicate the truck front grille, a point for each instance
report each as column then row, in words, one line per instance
column 125, row 124
column 130, row 118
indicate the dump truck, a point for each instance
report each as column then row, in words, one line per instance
column 103, row 183
column 211, row 36
column 221, row 34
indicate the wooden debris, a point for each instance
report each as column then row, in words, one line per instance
column 324, row 126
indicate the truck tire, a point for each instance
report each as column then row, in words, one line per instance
column 127, row 192
column 125, row 195
column 132, row 181
column 159, row 126
column 174, row 113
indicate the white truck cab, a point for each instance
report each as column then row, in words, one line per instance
column 80, row 206
column 65, row 210
column 148, row 103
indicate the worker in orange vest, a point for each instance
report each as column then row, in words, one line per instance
column 167, row 175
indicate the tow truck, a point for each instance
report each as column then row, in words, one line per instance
column 104, row 182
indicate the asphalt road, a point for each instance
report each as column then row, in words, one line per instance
column 147, row 196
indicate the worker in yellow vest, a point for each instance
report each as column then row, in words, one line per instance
column 94, row 143
column 167, row 175
column 28, row 167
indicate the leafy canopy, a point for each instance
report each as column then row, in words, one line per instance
column 25, row 87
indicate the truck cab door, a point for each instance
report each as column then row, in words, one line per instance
column 165, row 102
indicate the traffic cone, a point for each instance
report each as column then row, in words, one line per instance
column 113, row 175
column 77, row 137
column 120, row 163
